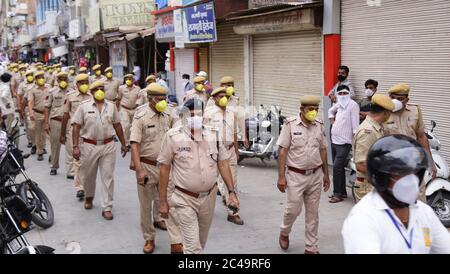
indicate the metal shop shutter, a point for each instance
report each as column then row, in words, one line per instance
column 227, row 59
column 285, row 67
column 402, row 41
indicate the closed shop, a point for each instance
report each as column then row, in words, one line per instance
column 227, row 58
column 402, row 41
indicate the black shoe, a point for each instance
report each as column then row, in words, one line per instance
column 49, row 158
column 53, row 172
column 218, row 193
column 128, row 148
column 30, row 145
column 80, row 194
column 40, row 157
column 70, row 177
column 45, row 151
column 115, row 139
column 33, row 150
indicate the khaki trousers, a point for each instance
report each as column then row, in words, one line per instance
column 303, row 189
column 147, row 195
column 72, row 165
column 232, row 161
column 9, row 120
column 173, row 224
column 30, row 133
column 195, row 217
column 103, row 158
column 126, row 117
column 37, row 126
column 361, row 189
column 55, row 145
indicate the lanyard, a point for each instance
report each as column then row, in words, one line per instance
column 409, row 244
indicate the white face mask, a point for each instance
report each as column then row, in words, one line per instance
column 397, row 105
column 406, row 189
column 343, row 100
column 369, row 92
column 195, row 122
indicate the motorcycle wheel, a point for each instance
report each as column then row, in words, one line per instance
column 441, row 207
column 43, row 215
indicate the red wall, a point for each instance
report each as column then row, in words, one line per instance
column 332, row 60
column 223, row 7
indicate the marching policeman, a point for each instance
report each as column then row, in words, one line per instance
column 111, row 85
column 143, row 92
column 303, row 152
column 198, row 92
column 22, row 95
column 71, row 76
column 54, row 113
column 97, row 74
column 368, row 133
column 95, row 122
column 194, row 156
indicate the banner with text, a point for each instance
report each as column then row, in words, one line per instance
column 120, row 13
column 201, row 23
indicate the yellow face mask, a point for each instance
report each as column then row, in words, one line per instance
column 109, row 75
column 230, row 91
column 58, row 70
column 63, row 84
column 41, row 81
column 30, row 79
column 83, row 88
column 311, row 115
column 72, row 72
column 98, row 72
column 223, row 102
column 99, row 95
column 199, row 87
column 16, row 70
column 39, row 67
column 50, row 71
column 161, row 106
column 129, row 83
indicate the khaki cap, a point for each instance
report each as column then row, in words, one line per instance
column 199, row 79
column 150, row 77
column 39, row 73
column 39, row 64
column 97, row 84
column 129, row 75
column 310, row 100
column 61, row 74
column 71, row 67
column 226, row 80
column 400, row 89
column 82, row 77
column 109, row 69
column 82, row 70
column 156, row 89
column 96, row 67
column 14, row 65
column 29, row 72
column 22, row 66
column 218, row 90
column 383, row 101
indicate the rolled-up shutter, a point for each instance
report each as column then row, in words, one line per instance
column 402, row 41
column 285, row 67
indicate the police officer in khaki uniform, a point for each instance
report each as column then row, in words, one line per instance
column 15, row 79
column 95, row 122
column 408, row 121
column 71, row 76
column 36, row 107
column 143, row 92
column 54, row 113
column 22, row 95
column 97, row 74
column 221, row 116
column 195, row 156
column 49, row 75
column 71, row 105
column 368, row 133
column 303, row 150
column 150, row 124
column 198, row 92
column 127, row 103
column 111, row 85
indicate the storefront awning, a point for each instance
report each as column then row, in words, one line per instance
column 128, row 34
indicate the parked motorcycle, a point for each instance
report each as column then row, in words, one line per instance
column 262, row 132
column 16, row 213
column 11, row 166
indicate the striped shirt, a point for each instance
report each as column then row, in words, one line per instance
column 346, row 122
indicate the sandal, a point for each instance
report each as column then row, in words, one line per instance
column 336, row 199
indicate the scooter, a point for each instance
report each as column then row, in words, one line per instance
column 438, row 189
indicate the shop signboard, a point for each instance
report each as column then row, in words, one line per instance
column 165, row 30
column 201, row 23
column 120, row 13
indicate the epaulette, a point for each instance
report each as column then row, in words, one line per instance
column 72, row 92
column 290, row 119
column 175, row 131
column 85, row 101
column 140, row 112
column 319, row 121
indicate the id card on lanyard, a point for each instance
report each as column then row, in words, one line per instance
column 408, row 243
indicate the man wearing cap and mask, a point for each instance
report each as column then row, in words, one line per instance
column 96, row 121
column 71, row 76
column 221, row 116
column 142, row 100
column 97, row 74
column 303, row 152
column 342, row 79
column 407, row 119
column 198, row 92
column 194, row 156
column 36, row 107
column 111, row 85
column 127, row 102
column 54, row 113
column 364, row 105
column 207, row 84
column 49, row 75
column 150, row 124
column 56, row 70
column 73, row 101
column 22, row 95
column 390, row 219
column 15, row 79
column 368, row 133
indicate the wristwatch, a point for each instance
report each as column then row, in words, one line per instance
column 231, row 191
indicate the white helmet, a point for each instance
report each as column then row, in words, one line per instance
column 203, row 74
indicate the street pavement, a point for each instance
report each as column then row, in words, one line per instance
column 77, row 230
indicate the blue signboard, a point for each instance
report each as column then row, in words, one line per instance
column 188, row 2
column 161, row 4
column 201, row 23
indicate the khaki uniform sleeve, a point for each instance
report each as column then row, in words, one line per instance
column 78, row 118
column 285, row 136
column 66, row 105
column 116, row 115
column 323, row 139
column 30, row 95
column 363, row 141
column 420, row 126
column 223, row 152
column 166, row 153
column 48, row 100
column 136, row 130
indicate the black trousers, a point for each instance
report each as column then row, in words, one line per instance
column 340, row 158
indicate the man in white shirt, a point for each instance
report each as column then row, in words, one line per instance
column 7, row 101
column 344, row 116
column 391, row 219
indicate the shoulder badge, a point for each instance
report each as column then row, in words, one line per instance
column 175, row 131
column 290, row 119
column 140, row 112
column 85, row 101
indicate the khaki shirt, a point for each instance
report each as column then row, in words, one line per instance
column 73, row 101
column 304, row 142
column 197, row 95
column 50, row 79
column 193, row 162
column 366, row 135
column 94, row 78
column 111, row 89
column 225, row 121
column 407, row 122
column 148, row 129
column 38, row 95
column 55, row 102
column 24, row 87
column 128, row 96
column 95, row 124
column 16, row 79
